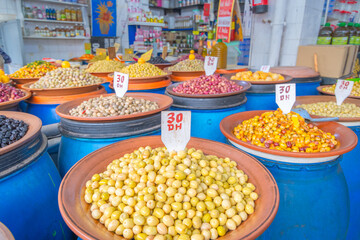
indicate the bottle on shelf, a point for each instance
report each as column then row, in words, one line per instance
column 46, row 31
column 325, row 35
column 79, row 15
column 73, row 15
column 37, row 31
column 352, row 33
column 341, row 35
column 72, row 32
column 58, row 15
column 68, row 14
column 220, row 50
column 63, row 15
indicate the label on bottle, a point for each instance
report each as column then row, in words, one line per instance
column 323, row 40
column 357, row 41
column 340, row 40
column 352, row 40
column 175, row 129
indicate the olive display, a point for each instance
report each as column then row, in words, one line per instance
column 157, row 60
column 11, row 130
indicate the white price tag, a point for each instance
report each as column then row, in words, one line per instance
column 210, row 65
column 343, row 90
column 285, row 96
column 265, row 68
column 175, row 129
column 121, row 83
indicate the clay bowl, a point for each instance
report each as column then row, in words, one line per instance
column 62, row 91
column 323, row 98
column 320, row 89
column 162, row 66
column 186, row 73
column 101, row 74
column 143, row 79
column 181, row 79
column 13, row 103
column 24, row 80
column 163, row 101
column 146, row 86
column 33, row 131
column 76, row 212
column 344, row 135
column 245, row 87
column 287, row 78
column 230, row 71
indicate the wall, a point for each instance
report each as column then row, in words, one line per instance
column 302, row 23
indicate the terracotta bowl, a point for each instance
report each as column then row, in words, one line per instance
column 13, row 103
column 143, row 79
column 320, row 89
column 62, row 91
column 163, row 101
column 323, row 98
column 24, row 80
column 287, row 78
column 162, row 66
column 101, row 74
column 182, row 79
column 186, row 73
column 146, row 86
column 76, row 212
column 245, row 87
column 346, row 137
column 33, row 131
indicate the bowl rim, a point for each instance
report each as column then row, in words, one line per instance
column 269, row 193
column 27, row 95
column 320, row 89
column 227, row 125
column 26, row 86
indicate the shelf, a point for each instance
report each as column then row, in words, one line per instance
column 177, row 29
column 57, row 38
column 150, row 24
column 60, row 3
column 177, row 9
column 51, row 21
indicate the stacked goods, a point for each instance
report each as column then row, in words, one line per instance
column 11, row 130
column 3, row 77
column 331, row 109
column 9, row 93
column 157, row 60
column 354, row 92
column 142, row 69
column 35, row 69
column 105, row 66
column 197, row 56
column 257, row 76
column 188, row 66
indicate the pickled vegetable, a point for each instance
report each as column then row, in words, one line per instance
column 257, row 76
column 355, row 91
column 105, row 66
column 33, row 70
column 331, row 109
column 154, row 193
column 284, row 132
column 188, row 66
column 137, row 70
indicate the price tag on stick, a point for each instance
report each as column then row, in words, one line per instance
column 285, row 96
column 265, row 68
column 175, row 129
column 210, row 65
column 343, row 90
column 121, row 82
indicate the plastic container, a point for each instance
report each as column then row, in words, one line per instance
column 220, row 50
column 341, row 35
column 207, row 113
column 81, row 137
column 44, row 106
column 75, row 210
column 325, row 35
column 306, row 79
column 350, row 163
column 29, row 183
column 314, row 196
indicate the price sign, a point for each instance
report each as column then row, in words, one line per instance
column 210, row 65
column 343, row 90
column 285, row 96
column 175, row 129
column 265, row 68
column 121, row 82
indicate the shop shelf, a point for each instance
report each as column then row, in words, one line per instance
column 178, row 29
column 51, row 21
column 58, row 2
column 62, row 38
column 150, row 24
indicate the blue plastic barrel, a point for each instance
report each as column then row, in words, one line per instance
column 351, row 166
column 29, row 183
column 306, row 86
column 44, row 106
column 106, row 85
column 81, row 138
column 314, row 197
column 207, row 113
column 261, row 97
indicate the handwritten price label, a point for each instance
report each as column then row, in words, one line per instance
column 265, row 68
column 210, row 65
column 285, row 96
column 343, row 90
column 175, row 129
column 121, row 83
